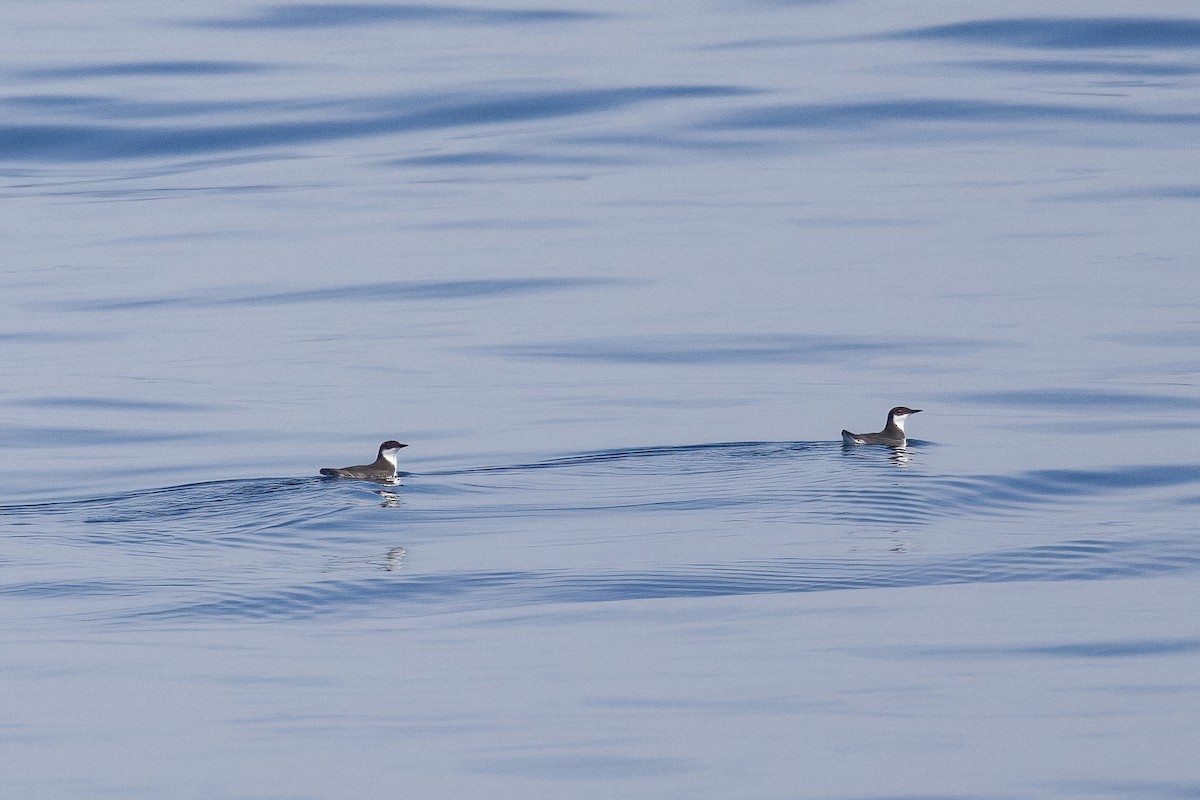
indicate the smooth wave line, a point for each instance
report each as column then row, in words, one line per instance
column 1081, row 560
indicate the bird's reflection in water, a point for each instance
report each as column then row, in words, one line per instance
column 390, row 499
column 394, row 559
column 900, row 456
column 390, row 561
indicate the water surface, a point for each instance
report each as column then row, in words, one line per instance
column 618, row 276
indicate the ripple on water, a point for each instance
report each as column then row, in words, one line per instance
column 152, row 131
column 1067, row 33
column 244, row 513
column 1082, row 560
column 288, row 16
column 292, row 535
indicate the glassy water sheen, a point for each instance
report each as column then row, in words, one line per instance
column 618, row 274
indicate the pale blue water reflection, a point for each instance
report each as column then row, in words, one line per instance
column 618, row 274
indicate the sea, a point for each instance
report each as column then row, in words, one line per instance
column 618, row 274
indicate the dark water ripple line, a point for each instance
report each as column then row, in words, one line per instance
column 875, row 114
column 115, row 403
column 48, row 337
column 381, row 116
column 1081, row 399
column 1084, row 67
column 708, row 349
column 41, row 436
column 1066, row 33
column 294, row 16
column 144, row 68
column 1185, row 191
column 379, row 292
column 66, row 589
column 1080, row 560
column 103, row 107
column 1089, row 650
column 1128, row 789
column 837, row 510
column 500, row 158
column 625, row 455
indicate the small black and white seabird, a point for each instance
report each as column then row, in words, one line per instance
column 383, row 469
column 892, row 433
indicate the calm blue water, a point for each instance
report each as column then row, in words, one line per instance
column 618, row 275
